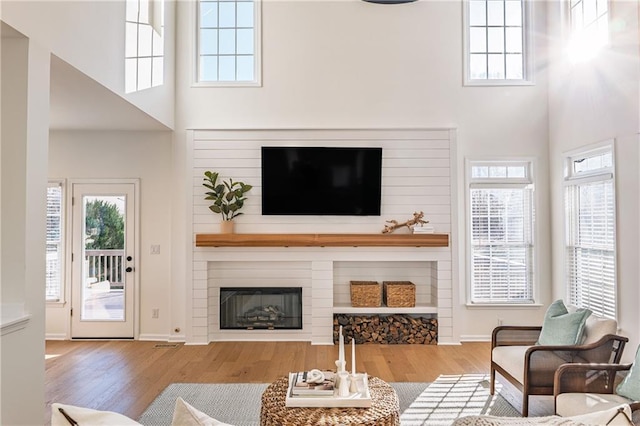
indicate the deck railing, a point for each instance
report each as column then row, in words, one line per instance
column 105, row 265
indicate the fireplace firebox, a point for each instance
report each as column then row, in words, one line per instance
column 266, row 308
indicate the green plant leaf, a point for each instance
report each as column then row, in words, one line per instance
column 215, row 209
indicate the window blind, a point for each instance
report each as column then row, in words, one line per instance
column 501, row 245
column 590, row 249
column 53, row 275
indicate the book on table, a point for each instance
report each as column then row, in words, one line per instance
column 301, row 387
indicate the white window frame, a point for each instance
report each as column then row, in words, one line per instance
column 62, row 243
column 154, row 29
column 526, row 183
column 572, row 181
column 527, row 51
column 586, row 39
column 257, row 65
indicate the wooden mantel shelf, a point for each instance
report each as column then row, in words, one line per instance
column 322, row 240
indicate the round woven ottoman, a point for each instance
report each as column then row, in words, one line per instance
column 384, row 410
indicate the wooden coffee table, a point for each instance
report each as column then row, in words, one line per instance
column 384, row 410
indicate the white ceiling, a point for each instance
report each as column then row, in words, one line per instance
column 80, row 103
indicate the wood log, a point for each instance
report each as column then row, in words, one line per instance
column 389, row 329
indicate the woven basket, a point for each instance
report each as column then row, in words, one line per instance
column 365, row 293
column 399, row 294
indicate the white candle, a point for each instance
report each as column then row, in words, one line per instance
column 353, row 356
column 341, row 347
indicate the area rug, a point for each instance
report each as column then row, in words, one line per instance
column 434, row 403
column 454, row 396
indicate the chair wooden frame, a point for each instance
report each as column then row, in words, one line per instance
column 606, row 350
column 587, row 378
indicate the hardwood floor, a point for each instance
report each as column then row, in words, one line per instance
column 126, row 376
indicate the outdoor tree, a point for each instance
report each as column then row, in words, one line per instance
column 104, row 226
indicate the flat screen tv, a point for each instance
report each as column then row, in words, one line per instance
column 340, row 181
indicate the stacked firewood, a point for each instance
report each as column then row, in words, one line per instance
column 386, row 329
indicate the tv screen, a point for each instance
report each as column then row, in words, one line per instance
column 341, row 181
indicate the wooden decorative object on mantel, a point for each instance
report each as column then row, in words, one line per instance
column 322, row 240
column 393, row 224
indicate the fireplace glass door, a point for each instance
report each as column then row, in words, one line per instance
column 261, row 308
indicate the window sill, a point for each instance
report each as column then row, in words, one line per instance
column 55, row 303
column 504, row 305
column 219, row 84
column 497, row 83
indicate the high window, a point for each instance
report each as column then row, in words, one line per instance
column 53, row 284
column 589, row 28
column 501, row 228
column 590, row 256
column 495, row 42
column 144, row 45
column 228, row 42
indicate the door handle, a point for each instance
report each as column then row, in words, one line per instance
column 129, row 269
column 129, row 258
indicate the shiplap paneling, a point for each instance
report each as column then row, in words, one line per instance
column 416, row 176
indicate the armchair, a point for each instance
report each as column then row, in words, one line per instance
column 530, row 367
column 585, row 388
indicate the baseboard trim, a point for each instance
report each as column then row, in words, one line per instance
column 154, row 337
column 475, row 338
column 55, row 336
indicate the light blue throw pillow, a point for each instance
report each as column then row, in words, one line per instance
column 561, row 327
column 630, row 386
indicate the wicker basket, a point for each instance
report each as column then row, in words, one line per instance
column 365, row 293
column 399, row 294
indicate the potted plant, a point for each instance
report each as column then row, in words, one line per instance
column 228, row 198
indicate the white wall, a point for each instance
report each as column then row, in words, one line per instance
column 592, row 102
column 89, row 35
column 143, row 155
column 353, row 64
column 25, row 100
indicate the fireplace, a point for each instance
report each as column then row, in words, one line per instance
column 266, row 308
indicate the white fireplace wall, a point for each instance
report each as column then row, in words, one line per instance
column 418, row 174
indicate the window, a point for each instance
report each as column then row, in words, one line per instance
column 495, row 42
column 228, row 47
column 54, row 242
column 501, row 221
column 590, row 261
column 144, row 45
column 589, row 28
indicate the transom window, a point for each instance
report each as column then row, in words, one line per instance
column 590, row 255
column 589, row 28
column 501, row 223
column 495, row 41
column 144, row 45
column 228, row 47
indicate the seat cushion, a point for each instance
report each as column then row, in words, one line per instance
column 573, row 404
column 511, row 359
column 561, row 327
column 611, row 417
